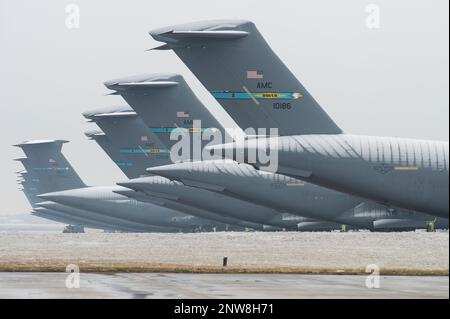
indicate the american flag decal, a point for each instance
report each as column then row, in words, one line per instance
column 144, row 138
column 257, row 75
column 182, row 114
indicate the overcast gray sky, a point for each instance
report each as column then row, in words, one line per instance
column 391, row 81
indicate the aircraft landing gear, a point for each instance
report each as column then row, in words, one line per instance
column 74, row 229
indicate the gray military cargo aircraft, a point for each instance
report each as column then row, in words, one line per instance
column 140, row 148
column 140, row 154
column 31, row 192
column 211, row 201
column 238, row 67
column 50, row 165
column 33, row 183
column 243, row 182
column 108, row 201
column 172, row 105
column 47, row 170
column 376, row 168
column 144, row 148
column 292, row 195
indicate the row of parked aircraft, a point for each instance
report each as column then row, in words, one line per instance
column 323, row 178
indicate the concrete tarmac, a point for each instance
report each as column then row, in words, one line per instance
column 218, row 286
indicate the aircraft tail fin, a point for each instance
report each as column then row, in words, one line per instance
column 49, row 168
column 127, row 140
column 165, row 103
column 239, row 68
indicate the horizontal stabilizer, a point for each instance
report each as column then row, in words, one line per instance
column 115, row 115
column 160, row 48
column 94, row 133
column 112, row 93
column 160, row 84
column 91, row 114
column 40, row 142
column 192, row 35
column 204, row 30
column 147, row 81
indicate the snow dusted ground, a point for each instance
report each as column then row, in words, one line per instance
column 411, row 251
